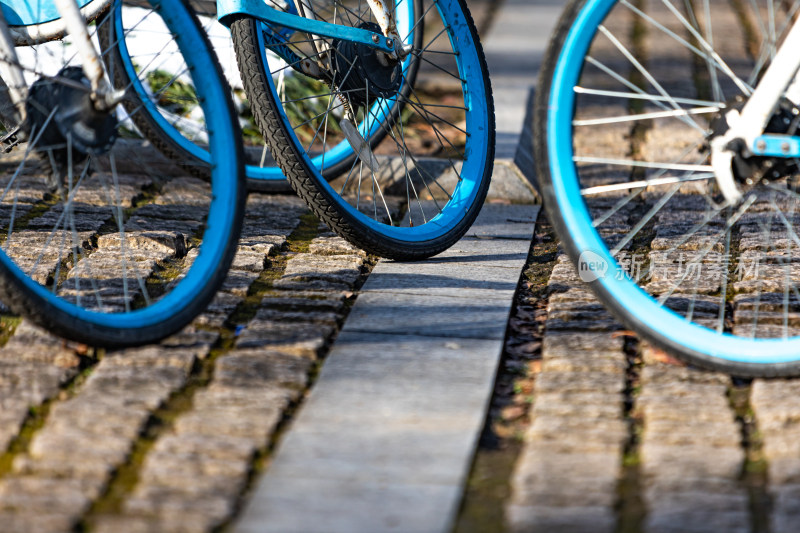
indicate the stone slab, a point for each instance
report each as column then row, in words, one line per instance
column 420, row 381
column 471, row 250
column 577, row 519
column 435, row 316
column 386, row 438
column 504, row 222
column 313, row 505
column 467, row 279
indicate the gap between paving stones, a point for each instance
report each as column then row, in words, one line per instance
column 774, row 430
column 567, row 474
column 755, row 471
column 667, row 433
column 682, row 431
column 630, row 502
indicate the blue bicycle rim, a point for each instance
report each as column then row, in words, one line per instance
column 569, row 201
column 222, row 211
column 149, row 106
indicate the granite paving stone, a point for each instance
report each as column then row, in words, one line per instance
column 566, row 474
column 202, row 464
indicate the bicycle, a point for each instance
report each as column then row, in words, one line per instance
column 666, row 137
column 327, row 81
column 90, row 253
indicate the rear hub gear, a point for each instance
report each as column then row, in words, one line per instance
column 363, row 73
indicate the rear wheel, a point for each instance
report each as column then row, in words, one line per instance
column 172, row 127
column 417, row 192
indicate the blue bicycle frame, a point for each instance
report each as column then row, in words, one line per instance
column 260, row 10
column 20, row 13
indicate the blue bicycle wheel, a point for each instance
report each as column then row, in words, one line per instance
column 418, row 191
column 631, row 96
column 100, row 244
column 176, row 134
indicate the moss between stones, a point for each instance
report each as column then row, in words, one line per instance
column 488, row 488
column 300, row 239
column 37, row 414
column 260, row 288
column 630, row 507
column 39, row 208
column 8, row 325
column 35, row 420
column 298, row 242
column 160, row 422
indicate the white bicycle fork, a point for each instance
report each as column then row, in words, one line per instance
column 12, row 80
column 782, row 78
column 13, row 88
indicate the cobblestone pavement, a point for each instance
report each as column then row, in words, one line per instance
column 601, row 432
column 166, row 438
column 621, row 433
column 169, row 437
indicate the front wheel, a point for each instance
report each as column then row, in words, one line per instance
column 98, row 244
column 417, row 192
column 631, row 96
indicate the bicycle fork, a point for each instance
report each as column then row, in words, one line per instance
column 13, row 89
column 103, row 95
column 388, row 23
column 746, row 134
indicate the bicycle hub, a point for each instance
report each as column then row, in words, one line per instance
column 60, row 113
column 749, row 169
column 362, row 73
